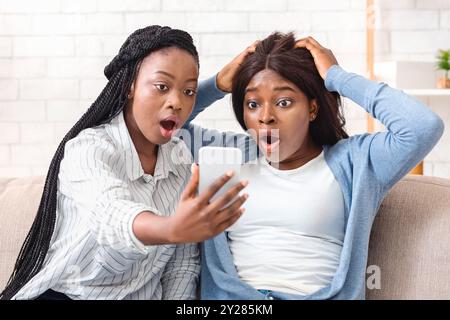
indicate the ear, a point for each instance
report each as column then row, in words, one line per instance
column 131, row 93
column 313, row 109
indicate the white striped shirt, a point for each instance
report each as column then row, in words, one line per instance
column 102, row 187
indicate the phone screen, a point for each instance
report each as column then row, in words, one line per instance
column 215, row 162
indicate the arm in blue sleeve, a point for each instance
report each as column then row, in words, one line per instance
column 207, row 94
column 196, row 137
column 413, row 129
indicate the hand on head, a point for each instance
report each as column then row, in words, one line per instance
column 323, row 57
column 225, row 76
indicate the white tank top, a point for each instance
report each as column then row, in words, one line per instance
column 290, row 237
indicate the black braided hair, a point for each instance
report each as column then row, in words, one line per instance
column 120, row 72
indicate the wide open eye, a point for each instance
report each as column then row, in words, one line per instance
column 161, row 87
column 284, row 103
column 189, row 92
column 252, row 104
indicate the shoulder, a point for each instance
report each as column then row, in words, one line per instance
column 352, row 146
column 349, row 155
column 350, row 158
column 89, row 140
column 91, row 149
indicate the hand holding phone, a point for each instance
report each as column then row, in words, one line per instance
column 202, row 215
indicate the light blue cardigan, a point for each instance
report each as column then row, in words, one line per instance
column 366, row 167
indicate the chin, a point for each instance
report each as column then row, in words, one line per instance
column 163, row 140
column 157, row 139
column 277, row 156
column 274, row 156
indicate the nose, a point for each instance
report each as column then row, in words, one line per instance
column 266, row 116
column 174, row 101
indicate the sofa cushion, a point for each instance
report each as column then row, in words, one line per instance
column 410, row 241
column 19, row 200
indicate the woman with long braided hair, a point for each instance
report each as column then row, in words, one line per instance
column 119, row 217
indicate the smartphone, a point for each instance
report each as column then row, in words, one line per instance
column 215, row 162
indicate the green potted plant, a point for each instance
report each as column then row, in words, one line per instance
column 443, row 63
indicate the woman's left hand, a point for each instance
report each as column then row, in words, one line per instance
column 323, row 57
column 225, row 76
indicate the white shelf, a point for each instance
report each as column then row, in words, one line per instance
column 427, row 92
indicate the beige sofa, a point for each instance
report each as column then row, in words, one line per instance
column 409, row 245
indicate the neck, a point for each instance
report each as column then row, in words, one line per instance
column 146, row 150
column 303, row 155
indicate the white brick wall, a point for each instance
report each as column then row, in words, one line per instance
column 52, row 55
column 30, row 7
column 5, row 47
column 10, row 133
column 43, row 46
column 23, row 68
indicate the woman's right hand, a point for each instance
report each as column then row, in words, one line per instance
column 197, row 219
column 224, row 80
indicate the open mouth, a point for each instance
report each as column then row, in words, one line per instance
column 168, row 126
column 269, row 140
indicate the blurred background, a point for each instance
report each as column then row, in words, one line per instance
column 52, row 55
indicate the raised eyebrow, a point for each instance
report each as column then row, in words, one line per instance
column 172, row 77
column 251, row 89
column 284, row 88
column 192, row 80
column 165, row 73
